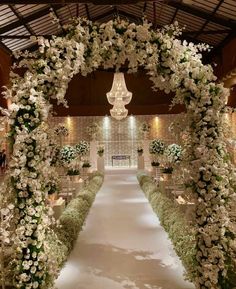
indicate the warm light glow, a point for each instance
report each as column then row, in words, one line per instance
column 132, row 122
column 119, row 92
column 68, row 120
column 8, row 103
column 106, row 122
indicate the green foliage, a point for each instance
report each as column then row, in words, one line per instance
column 73, row 172
column 63, row 237
column 181, row 233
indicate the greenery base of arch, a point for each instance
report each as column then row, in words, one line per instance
column 172, row 66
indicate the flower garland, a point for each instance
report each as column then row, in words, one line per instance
column 82, row 148
column 156, row 147
column 172, row 66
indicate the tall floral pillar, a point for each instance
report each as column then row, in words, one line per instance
column 146, row 155
column 144, row 130
column 93, row 154
column 93, row 131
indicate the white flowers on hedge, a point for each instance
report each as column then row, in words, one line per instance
column 82, row 148
column 174, row 153
column 172, row 66
column 156, row 147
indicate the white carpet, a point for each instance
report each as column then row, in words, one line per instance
column 122, row 245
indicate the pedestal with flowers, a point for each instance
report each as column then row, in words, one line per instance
column 100, row 159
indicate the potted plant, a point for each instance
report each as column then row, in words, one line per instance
column 72, row 172
column 52, row 189
column 85, row 166
column 140, row 151
column 167, row 170
column 100, row 151
column 155, row 163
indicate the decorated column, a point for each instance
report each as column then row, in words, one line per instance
column 93, row 154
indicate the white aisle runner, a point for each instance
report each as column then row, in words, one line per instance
column 122, row 245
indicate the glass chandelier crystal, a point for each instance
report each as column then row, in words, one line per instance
column 119, row 111
column 119, row 96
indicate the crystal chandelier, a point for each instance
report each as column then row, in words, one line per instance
column 119, row 111
column 119, row 96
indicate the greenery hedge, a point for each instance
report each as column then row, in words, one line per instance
column 180, row 231
column 61, row 240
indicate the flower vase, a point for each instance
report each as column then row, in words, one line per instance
column 71, row 178
column 52, row 197
column 85, row 171
column 168, row 177
column 145, row 135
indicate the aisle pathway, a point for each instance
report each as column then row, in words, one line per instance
column 122, row 245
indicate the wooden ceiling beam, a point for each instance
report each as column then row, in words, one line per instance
column 144, row 7
column 174, row 16
column 129, row 16
column 5, row 48
column 27, row 19
column 121, row 13
column 27, row 27
column 154, row 15
column 200, row 13
column 218, row 50
column 54, row 10
column 208, row 20
column 95, row 2
column 87, row 11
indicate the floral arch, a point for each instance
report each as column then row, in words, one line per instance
column 172, row 66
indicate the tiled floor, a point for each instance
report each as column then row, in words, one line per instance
column 122, row 245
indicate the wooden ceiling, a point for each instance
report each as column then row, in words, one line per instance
column 210, row 21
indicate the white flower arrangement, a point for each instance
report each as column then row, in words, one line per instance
column 61, row 130
column 93, row 129
column 172, row 66
column 156, row 147
column 100, row 150
column 174, row 153
column 82, row 148
column 68, row 154
column 145, row 127
column 140, row 150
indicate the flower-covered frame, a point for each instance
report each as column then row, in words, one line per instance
column 172, row 66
